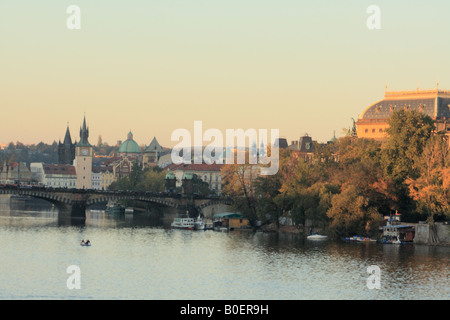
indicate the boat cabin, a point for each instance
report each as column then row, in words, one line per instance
column 230, row 220
column 402, row 233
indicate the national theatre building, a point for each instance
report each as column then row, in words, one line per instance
column 373, row 122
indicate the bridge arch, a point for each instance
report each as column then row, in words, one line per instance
column 157, row 200
column 58, row 199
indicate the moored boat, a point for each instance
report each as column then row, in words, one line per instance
column 316, row 236
column 115, row 208
column 199, row 224
column 183, row 222
column 398, row 234
column 209, row 225
column 359, row 239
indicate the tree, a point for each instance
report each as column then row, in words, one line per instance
column 152, row 181
column 238, row 180
column 408, row 133
column 430, row 189
column 135, row 176
column 267, row 190
column 351, row 214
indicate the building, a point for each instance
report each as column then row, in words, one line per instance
column 230, row 220
column 58, row 175
column 170, row 182
column 122, row 167
column 84, row 153
column 129, row 148
column 373, row 122
column 281, row 143
column 66, row 149
column 305, row 147
column 165, row 160
column 15, row 173
column 152, row 153
column 210, row 173
column 119, row 166
column 102, row 177
column 37, row 173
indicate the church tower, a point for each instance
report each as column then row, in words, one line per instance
column 83, row 159
column 66, row 149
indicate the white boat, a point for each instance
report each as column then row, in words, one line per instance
column 183, row 222
column 199, row 224
column 316, row 236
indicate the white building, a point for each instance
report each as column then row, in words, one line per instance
column 58, row 175
column 210, row 173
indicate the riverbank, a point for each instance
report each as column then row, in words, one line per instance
column 282, row 229
column 422, row 232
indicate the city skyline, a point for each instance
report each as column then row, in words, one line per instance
column 154, row 67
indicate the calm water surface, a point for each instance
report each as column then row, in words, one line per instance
column 136, row 258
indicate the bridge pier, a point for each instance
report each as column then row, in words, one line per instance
column 71, row 215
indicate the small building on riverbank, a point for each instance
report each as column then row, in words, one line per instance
column 230, row 220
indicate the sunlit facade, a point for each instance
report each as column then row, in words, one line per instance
column 373, row 122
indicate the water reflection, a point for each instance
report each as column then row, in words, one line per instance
column 137, row 256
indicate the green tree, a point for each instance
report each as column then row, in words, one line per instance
column 267, row 189
column 351, row 214
column 408, row 133
column 152, row 181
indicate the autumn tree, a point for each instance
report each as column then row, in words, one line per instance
column 267, row 189
column 239, row 183
column 351, row 214
column 430, row 189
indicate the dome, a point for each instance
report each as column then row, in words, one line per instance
column 129, row 145
column 334, row 137
column 170, row 175
column 188, row 176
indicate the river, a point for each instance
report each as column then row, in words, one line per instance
column 135, row 257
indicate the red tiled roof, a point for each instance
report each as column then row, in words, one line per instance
column 59, row 169
column 102, row 169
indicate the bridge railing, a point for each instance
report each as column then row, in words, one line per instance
column 103, row 192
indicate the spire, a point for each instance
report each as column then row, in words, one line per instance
column 67, row 138
column 84, row 134
column 154, row 146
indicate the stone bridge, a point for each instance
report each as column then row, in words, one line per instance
column 73, row 203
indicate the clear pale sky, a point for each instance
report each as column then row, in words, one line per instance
column 153, row 66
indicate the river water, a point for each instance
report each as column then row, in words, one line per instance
column 135, row 257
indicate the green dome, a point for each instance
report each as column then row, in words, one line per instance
column 129, row 145
column 188, row 176
column 170, row 175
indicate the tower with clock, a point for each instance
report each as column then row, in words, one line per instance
column 84, row 153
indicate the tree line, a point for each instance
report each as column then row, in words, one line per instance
column 351, row 183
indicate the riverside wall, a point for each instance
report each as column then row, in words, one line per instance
column 423, row 230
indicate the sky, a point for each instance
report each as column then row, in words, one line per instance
column 154, row 66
